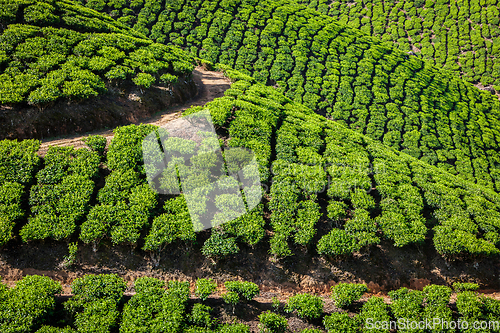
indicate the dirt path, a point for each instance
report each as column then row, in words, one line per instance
column 210, row 86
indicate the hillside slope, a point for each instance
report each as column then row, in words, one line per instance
column 336, row 70
column 55, row 52
column 331, row 190
column 322, row 171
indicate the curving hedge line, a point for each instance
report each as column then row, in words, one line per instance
column 337, row 70
column 458, row 36
column 59, row 50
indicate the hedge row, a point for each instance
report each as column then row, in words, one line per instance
column 459, row 36
column 60, row 198
column 337, row 70
column 53, row 50
column 98, row 305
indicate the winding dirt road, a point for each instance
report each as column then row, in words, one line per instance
column 210, row 86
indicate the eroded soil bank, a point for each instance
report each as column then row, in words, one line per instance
column 117, row 107
column 383, row 268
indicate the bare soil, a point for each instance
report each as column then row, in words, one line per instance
column 209, row 85
column 384, row 268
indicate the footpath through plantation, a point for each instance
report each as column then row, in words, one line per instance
column 338, row 71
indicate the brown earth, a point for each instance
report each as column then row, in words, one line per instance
column 209, row 85
column 383, row 268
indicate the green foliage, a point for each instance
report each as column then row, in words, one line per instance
column 174, row 225
column 339, row 322
column 179, row 289
column 69, row 260
column 436, row 304
column 244, row 289
column 374, row 310
column 19, row 160
column 231, row 298
column 92, row 288
column 345, row 294
column 407, row 304
column 98, row 316
column 470, row 307
column 336, row 243
column 28, row 304
column 374, row 87
column 275, row 302
column 97, row 143
column 272, row 322
column 234, row 328
column 56, row 50
column 144, row 80
column 97, row 307
column 464, row 286
column 125, row 206
column 200, row 316
column 95, row 302
column 10, row 209
column 125, row 150
column 62, row 195
column 219, row 245
column 307, row 306
column 152, row 309
column 204, row 288
column 50, row 329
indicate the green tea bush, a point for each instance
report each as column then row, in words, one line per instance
column 272, row 323
column 204, row 288
column 340, row 323
column 376, row 88
column 30, row 303
column 234, row 328
column 152, row 308
column 62, row 195
column 464, row 286
column 57, row 50
column 307, row 306
column 344, row 294
column 219, row 245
